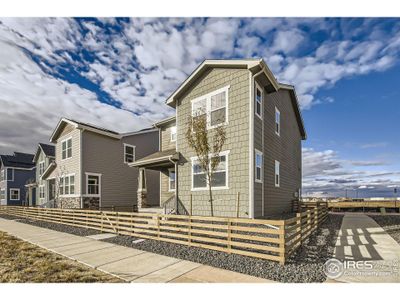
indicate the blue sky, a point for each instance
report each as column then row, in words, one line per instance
column 117, row 73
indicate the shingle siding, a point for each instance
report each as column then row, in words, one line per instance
column 166, row 143
column 237, row 142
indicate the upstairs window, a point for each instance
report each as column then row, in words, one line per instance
column 277, row 174
column 41, row 192
column 66, row 148
column 93, row 184
column 277, row 121
column 259, row 166
column 213, row 107
column 41, row 168
column 259, row 97
column 171, row 180
column 173, row 134
column 14, row 194
column 129, row 153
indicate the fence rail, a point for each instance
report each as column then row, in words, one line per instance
column 266, row 239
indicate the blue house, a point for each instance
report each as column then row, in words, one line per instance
column 17, row 171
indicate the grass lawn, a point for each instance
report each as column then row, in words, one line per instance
column 23, row 262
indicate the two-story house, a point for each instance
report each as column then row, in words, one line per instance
column 90, row 169
column 16, row 171
column 45, row 189
column 260, row 169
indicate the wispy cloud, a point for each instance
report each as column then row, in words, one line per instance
column 374, row 145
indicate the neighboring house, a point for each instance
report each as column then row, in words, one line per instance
column 15, row 172
column 45, row 189
column 91, row 169
column 261, row 159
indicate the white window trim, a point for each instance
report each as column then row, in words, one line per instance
column 19, row 194
column 65, row 140
column 226, row 187
column 169, row 180
column 258, row 152
column 134, row 152
column 42, row 162
column 278, row 133
column 5, row 194
column 257, row 86
column 277, row 163
column 87, row 184
column 44, row 192
column 176, row 130
column 3, row 175
column 68, row 195
column 207, row 97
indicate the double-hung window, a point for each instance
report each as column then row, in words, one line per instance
column 2, row 194
column 259, row 166
column 3, row 175
column 66, row 148
column 93, row 184
column 277, row 174
column 219, row 177
column 173, row 134
column 129, row 153
column 14, row 194
column 67, row 185
column 258, row 104
column 213, row 107
column 171, row 180
column 41, row 168
column 41, row 192
column 277, row 121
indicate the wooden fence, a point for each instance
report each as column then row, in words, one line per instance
column 266, row 239
column 353, row 204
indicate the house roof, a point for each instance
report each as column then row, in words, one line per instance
column 93, row 128
column 48, row 150
column 296, row 107
column 164, row 121
column 48, row 170
column 18, row 160
column 222, row 63
column 157, row 159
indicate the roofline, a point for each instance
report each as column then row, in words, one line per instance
column 246, row 63
column 297, row 106
column 36, row 154
column 138, row 132
column 164, row 121
column 151, row 160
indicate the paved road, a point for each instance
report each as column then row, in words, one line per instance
column 362, row 240
column 129, row 264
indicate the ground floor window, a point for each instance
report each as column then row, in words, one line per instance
column 259, row 166
column 171, row 180
column 93, row 184
column 14, row 194
column 2, row 194
column 219, row 176
column 41, row 191
column 277, row 174
column 67, row 185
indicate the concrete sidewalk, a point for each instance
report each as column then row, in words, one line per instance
column 129, row 264
column 362, row 240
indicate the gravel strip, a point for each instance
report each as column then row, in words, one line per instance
column 305, row 265
column 54, row 226
column 390, row 223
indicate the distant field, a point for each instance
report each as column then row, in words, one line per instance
column 23, row 262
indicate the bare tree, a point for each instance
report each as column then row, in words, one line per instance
column 58, row 182
column 207, row 143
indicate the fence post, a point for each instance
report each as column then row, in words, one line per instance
column 117, row 223
column 102, row 217
column 317, row 216
column 158, row 226
column 283, row 245
column 299, row 230
column 190, row 230
column 229, row 235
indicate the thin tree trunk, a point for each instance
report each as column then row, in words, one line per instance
column 211, row 198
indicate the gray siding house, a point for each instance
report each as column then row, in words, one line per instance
column 16, row 171
column 261, row 159
column 45, row 189
column 90, row 169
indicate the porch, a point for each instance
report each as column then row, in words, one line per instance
column 166, row 162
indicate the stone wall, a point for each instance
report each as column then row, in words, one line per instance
column 68, row 203
column 91, row 203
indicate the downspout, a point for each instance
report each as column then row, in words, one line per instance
column 176, row 183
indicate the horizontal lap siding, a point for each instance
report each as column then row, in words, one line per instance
column 237, row 142
column 286, row 149
column 105, row 155
column 258, row 193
